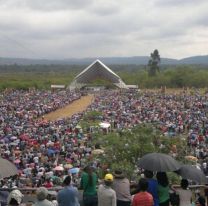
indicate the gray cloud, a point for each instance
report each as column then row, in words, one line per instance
column 106, row 8
column 59, row 5
column 168, row 3
column 47, row 5
column 77, row 28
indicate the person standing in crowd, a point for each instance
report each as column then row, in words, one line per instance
column 88, row 184
column 200, row 201
column 69, row 195
column 163, row 189
column 184, row 193
column 143, row 198
column 15, row 198
column 106, row 195
column 121, row 185
column 41, row 195
column 152, row 186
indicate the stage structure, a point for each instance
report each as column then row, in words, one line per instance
column 96, row 70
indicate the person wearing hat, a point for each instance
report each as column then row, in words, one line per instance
column 15, row 198
column 41, row 195
column 106, row 195
column 121, row 185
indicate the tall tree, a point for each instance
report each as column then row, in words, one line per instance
column 153, row 63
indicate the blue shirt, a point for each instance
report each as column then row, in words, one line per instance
column 152, row 189
column 68, row 196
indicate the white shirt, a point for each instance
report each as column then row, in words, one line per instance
column 185, row 197
column 106, row 196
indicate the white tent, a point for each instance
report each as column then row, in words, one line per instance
column 96, row 70
column 104, row 125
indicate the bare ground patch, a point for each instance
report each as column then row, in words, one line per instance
column 73, row 108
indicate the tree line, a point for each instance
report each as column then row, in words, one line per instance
column 42, row 76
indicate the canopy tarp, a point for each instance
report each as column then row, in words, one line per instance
column 97, row 70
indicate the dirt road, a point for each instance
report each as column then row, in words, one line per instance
column 73, row 108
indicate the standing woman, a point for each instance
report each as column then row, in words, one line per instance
column 185, row 195
column 163, row 189
column 121, row 185
column 88, row 184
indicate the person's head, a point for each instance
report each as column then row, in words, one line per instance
column 15, row 197
column 201, row 201
column 88, row 169
column 143, row 184
column 184, row 184
column 162, row 179
column 67, row 180
column 148, row 174
column 108, row 179
column 41, row 193
column 118, row 174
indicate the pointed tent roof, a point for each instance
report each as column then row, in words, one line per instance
column 94, row 70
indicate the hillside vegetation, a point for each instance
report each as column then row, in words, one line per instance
column 42, row 76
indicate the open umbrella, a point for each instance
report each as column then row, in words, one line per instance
column 192, row 173
column 78, row 127
column 58, row 168
column 97, row 151
column 191, row 158
column 68, row 166
column 13, row 138
column 7, row 168
column 74, row 170
column 158, row 162
column 17, row 161
column 104, row 125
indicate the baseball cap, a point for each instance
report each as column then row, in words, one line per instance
column 108, row 177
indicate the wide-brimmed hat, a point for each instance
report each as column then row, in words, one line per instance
column 118, row 174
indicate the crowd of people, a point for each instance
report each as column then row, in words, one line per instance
column 45, row 152
column 114, row 190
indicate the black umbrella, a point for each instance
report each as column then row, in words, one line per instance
column 192, row 173
column 159, row 162
column 7, row 168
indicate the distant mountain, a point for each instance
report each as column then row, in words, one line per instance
column 138, row 60
column 195, row 60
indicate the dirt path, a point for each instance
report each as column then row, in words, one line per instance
column 67, row 111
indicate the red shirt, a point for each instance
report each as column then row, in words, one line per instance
column 143, row 199
column 48, row 185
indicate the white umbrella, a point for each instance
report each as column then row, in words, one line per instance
column 104, row 125
column 13, row 138
column 74, row 170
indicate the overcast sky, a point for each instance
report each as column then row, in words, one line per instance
column 58, row 29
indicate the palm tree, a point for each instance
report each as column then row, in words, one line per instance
column 153, row 63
